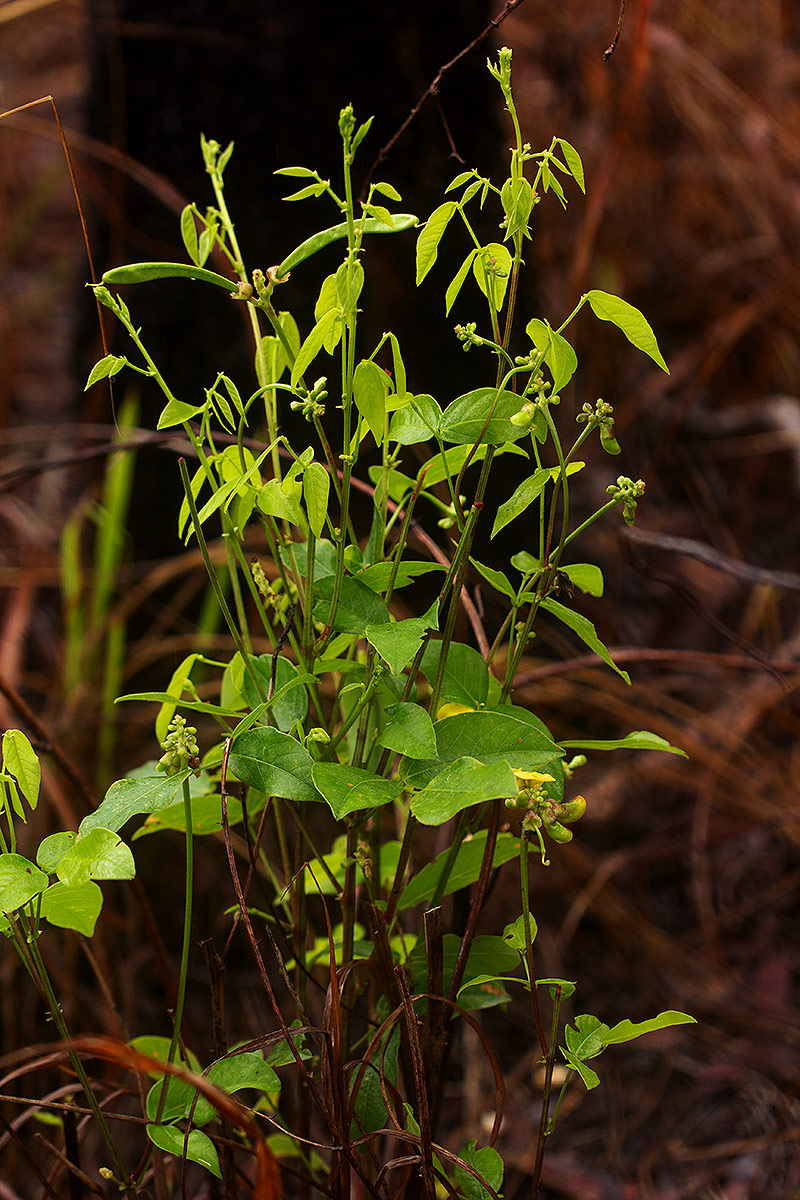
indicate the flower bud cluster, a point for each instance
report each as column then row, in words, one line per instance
column 180, row 747
column 602, row 414
column 311, row 406
column 467, row 335
column 627, row 492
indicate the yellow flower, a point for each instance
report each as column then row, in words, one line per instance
column 527, row 778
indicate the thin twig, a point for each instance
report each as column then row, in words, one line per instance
column 610, row 50
column 433, row 87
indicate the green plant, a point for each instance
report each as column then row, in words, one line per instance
column 357, row 732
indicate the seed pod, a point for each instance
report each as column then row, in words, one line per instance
column 145, row 272
column 558, row 833
column 573, row 810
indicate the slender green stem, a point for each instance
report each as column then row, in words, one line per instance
column 530, row 966
column 545, row 1123
column 187, row 939
column 46, row 987
column 591, row 520
column 212, row 575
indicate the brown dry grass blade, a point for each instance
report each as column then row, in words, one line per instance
column 267, row 1184
column 76, row 193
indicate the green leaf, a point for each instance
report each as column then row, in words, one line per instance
column 463, row 421
column 189, row 235
column 560, row 358
column 358, row 606
column 466, row 676
column 529, row 490
column 349, row 789
column 232, row 1073
column 377, row 576
column 324, row 557
column 398, row 366
column 397, row 642
column 590, row 1078
column 573, row 160
column 496, row 578
column 176, row 412
column 53, row 848
column 349, row 284
column 312, row 189
column 296, row 172
column 630, row 321
column 489, row 957
column 408, row 731
column 514, row 932
column 240, row 483
column 506, row 734
column 177, row 1101
column 551, row 183
column 156, row 1046
column 312, row 345
column 282, row 1055
column 462, row 177
column 397, row 485
column 198, row 1147
column 585, row 631
column 386, row 189
column 465, row 870
column 100, row 854
column 588, row 1038
column 492, row 270
column 275, row 502
column 73, row 907
column 379, row 213
column 488, row 1163
column 107, row 367
column 360, row 134
column 20, row 881
column 458, row 282
column 175, row 687
column 274, row 763
column 206, row 817
column 431, row 235
column 130, row 797
column 460, row 785
column 418, row 422
column 20, row 760
column 370, row 1106
column 289, row 703
column 370, row 385
column 316, row 489
column 585, row 576
column 326, row 301
column 626, row 1031
column 640, row 739
column 517, row 199
column 449, row 463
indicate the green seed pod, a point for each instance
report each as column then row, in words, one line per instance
column 558, row 833
column 146, row 272
column 573, row 810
